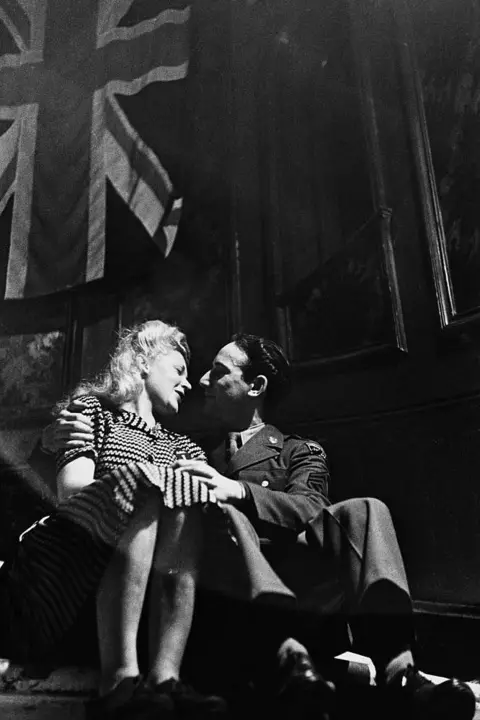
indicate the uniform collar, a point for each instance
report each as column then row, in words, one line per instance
column 266, row 443
column 250, row 432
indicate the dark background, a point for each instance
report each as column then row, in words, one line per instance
column 331, row 202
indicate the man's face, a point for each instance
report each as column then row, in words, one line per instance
column 226, row 391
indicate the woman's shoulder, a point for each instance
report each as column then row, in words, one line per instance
column 181, row 440
column 173, row 434
column 92, row 403
column 87, row 399
column 96, row 406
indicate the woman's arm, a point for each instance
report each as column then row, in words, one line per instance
column 74, row 476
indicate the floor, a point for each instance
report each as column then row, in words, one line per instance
column 61, row 695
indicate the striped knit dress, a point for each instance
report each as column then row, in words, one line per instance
column 61, row 559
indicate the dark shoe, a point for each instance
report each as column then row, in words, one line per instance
column 130, row 700
column 302, row 690
column 188, row 702
column 424, row 700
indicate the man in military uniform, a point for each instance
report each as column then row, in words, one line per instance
column 335, row 558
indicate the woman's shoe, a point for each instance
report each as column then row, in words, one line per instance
column 188, row 702
column 129, row 700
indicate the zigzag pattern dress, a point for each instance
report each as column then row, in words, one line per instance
column 60, row 560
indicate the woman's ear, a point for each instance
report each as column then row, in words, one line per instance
column 258, row 386
column 143, row 366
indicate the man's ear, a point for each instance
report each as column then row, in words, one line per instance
column 258, row 386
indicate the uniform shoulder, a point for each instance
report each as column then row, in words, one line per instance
column 309, row 445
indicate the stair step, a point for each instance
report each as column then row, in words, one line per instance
column 35, row 706
column 29, row 693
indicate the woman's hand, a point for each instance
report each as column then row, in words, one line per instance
column 70, row 429
column 225, row 489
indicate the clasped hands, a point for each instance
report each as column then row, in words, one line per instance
column 225, row 489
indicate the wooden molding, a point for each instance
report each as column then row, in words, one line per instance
column 382, row 213
column 423, row 162
column 377, row 172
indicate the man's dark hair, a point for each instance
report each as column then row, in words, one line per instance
column 267, row 358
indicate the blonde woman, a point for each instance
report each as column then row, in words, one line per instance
column 127, row 517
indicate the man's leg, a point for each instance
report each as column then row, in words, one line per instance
column 278, row 663
column 359, row 535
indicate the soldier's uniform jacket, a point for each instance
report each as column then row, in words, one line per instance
column 286, row 478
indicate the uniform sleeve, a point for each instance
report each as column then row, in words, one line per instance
column 305, row 494
column 95, row 413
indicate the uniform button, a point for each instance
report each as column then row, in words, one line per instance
column 265, row 483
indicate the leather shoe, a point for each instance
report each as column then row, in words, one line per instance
column 412, row 692
column 302, row 690
column 130, row 700
column 188, row 702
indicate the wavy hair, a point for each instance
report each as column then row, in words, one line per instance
column 121, row 379
column 265, row 357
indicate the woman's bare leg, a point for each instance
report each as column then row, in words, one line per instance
column 173, row 585
column 121, row 596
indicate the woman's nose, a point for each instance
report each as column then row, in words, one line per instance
column 187, row 384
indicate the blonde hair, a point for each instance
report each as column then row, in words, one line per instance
column 121, row 380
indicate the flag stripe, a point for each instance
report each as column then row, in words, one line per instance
column 170, row 224
column 7, row 184
column 172, row 39
column 18, row 257
column 135, row 192
column 17, row 22
column 143, row 161
column 173, row 215
column 165, row 236
column 97, row 202
column 8, row 146
column 110, row 12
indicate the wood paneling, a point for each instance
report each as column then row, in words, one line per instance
column 440, row 58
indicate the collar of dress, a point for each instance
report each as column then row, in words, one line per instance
column 133, row 420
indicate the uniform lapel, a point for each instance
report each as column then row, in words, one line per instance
column 217, row 458
column 267, row 443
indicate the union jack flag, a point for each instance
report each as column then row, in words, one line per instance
column 64, row 67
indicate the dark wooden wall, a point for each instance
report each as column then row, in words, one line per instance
column 360, row 243
column 331, row 203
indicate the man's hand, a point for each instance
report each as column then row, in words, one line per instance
column 225, row 489
column 70, row 429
